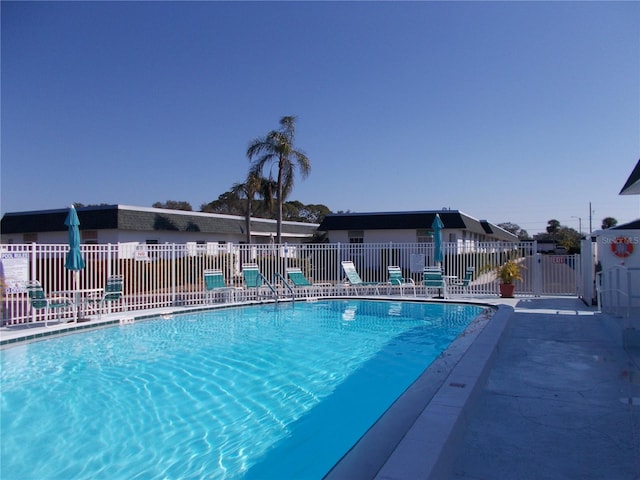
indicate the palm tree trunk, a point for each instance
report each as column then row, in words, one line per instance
column 247, row 220
column 279, row 218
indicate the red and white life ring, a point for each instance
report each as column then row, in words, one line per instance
column 622, row 247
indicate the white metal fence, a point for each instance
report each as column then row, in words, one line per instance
column 616, row 292
column 172, row 274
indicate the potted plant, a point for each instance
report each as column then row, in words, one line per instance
column 509, row 272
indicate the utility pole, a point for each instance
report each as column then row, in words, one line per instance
column 579, row 224
column 590, row 212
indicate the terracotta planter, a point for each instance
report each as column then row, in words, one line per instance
column 506, row 290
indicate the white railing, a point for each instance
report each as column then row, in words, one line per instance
column 615, row 292
column 172, row 274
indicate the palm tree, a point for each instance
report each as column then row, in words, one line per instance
column 254, row 184
column 277, row 147
column 553, row 226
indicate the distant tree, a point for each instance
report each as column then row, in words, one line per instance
column 609, row 222
column 173, row 205
column 569, row 238
column 234, row 203
column 319, row 237
column 81, row 205
column 542, row 236
column 296, row 211
column 278, row 147
column 314, row 213
column 552, row 228
column 227, row 203
column 563, row 236
column 516, row 230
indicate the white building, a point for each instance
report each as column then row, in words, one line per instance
column 124, row 224
column 411, row 227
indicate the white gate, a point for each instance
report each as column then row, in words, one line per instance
column 559, row 274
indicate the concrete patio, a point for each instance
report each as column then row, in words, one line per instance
column 562, row 400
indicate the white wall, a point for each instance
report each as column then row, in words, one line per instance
column 605, row 254
column 386, row 236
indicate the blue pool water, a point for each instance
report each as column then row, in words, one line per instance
column 271, row 391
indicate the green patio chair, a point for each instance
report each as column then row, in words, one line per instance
column 254, row 282
column 302, row 283
column 353, row 279
column 463, row 284
column 113, row 292
column 397, row 280
column 214, row 283
column 39, row 301
column 432, row 279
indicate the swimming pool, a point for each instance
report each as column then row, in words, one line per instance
column 254, row 392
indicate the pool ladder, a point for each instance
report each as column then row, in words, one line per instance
column 269, row 285
column 278, row 276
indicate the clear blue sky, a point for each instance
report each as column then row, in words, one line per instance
column 508, row 111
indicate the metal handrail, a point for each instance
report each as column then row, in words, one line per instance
column 273, row 290
column 286, row 285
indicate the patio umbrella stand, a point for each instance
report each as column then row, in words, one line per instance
column 74, row 261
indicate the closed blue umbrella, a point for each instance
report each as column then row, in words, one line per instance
column 438, row 253
column 74, row 260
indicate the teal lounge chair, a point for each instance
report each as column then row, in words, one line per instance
column 113, row 292
column 256, row 282
column 214, row 283
column 39, row 301
column 432, row 279
column 463, row 284
column 397, row 280
column 354, row 281
column 302, row 283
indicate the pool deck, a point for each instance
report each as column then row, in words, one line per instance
column 542, row 389
column 562, row 400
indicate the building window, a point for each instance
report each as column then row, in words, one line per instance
column 424, row 235
column 30, row 237
column 151, row 242
column 356, row 236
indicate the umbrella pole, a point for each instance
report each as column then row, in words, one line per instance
column 76, row 282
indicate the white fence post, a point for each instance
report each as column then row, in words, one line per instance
column 173, row 273
column 537, row 275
